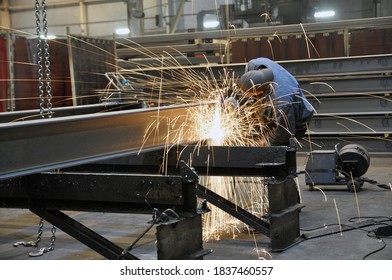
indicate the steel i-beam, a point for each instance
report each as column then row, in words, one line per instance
column 29, row 147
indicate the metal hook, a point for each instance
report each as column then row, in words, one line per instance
column 38, row 253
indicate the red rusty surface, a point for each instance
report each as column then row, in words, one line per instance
column 26, row 74
column 368, row 42
column 3, row 74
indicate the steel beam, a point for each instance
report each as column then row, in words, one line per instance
column 29, row 147
column 347, row 85
column 155, row 52
column 263, row 31
column 68, row 111
column 106, row 192
column 358, row 105
column 278, row 161
column 374, row 144
column 365, row 125
column 234, row 210
column 301, row 69
column 369, row 64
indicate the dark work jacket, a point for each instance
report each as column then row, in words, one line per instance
column 291, row 111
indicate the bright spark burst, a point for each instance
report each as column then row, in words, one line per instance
column 216, row 132
column 218, row 124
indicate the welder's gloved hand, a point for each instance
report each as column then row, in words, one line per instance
column 231, row 105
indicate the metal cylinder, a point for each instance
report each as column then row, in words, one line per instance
column 354, row 159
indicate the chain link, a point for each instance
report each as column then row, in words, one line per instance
column 43, row 59
column 40, row 231
column 52, row 239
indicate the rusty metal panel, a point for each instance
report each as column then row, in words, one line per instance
column 294, row 47
column 266, row 48
column 280, row 48
column 374, row 41
column 3, row 74
column 26, row 73
column 90, row 59
column 337, row 44
column 239, row 51
column 254, row 48
column 322, row 44
column 26, row 76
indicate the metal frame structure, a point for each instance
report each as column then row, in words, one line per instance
column 104, row 170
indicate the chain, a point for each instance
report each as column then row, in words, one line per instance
column 37, row 241
column 52, row 239
column 38, row 9
column 47, row 60
column 39, row 54
column 40, row 231
column 44, row 250
column 43, row 58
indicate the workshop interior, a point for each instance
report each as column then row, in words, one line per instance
column 115, row 142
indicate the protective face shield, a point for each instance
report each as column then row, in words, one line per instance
column 256, row 82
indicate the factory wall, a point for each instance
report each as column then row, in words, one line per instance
column 102, row 18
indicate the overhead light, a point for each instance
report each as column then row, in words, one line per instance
column 49, row 37
column 211, row 24
column 324, row 14
column 210, row 21
column 122, row 31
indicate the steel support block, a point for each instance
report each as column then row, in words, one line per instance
column 181, row 240
column 284, row 208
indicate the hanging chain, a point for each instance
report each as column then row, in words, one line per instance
column 44, row 250
column 37, row 241
column 47, row 59
column 52, row 240
column 42, row 32
column 40, row 231
column 39, row 54
column 32, row 243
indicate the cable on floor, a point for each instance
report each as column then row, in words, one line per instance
column 379, row 233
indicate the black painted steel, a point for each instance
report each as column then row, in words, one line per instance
column 80, row 232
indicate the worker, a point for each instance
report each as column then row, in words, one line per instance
column 285, row 112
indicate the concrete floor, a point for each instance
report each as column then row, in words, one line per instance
column 122, row 229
